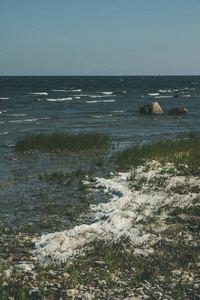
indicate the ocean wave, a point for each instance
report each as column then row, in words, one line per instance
column 16, row 115
column 28, row 120
column 41, row 93
column 96, row 96
column 101, row 101
column 153, row 94
column 20, row 121
column 3, row 133
column 107, row 93
column 59, row 99
column 4, row 98
column 64, row 90
column 167, row 96
column 118, row 111
column 102, row 116
column 165, row 91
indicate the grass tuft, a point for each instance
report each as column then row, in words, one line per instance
column 184, row 153
column 58, row 142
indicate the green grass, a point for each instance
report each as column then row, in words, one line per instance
column 58, row 142
column 183, row 152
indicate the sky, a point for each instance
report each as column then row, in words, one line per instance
column 99, row 37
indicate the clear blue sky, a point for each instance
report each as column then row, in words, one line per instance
column 83, row 37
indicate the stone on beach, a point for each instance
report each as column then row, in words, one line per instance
column 152, row 108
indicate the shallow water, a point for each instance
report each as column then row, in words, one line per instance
column 30, row 203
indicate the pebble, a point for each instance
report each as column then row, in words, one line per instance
column 88, row 296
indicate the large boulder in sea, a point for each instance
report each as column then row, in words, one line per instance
column 152, row 108
column 179, row 111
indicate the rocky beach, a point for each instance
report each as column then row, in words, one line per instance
column 135, row 235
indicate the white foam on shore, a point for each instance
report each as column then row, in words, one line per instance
column 119, row 218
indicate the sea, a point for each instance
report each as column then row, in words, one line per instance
column 74, row 104
column 103, row 104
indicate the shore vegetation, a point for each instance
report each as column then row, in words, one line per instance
column 183, row 152
column 168, row 268
column 58, row 142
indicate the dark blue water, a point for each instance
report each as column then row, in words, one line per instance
column 108, row 104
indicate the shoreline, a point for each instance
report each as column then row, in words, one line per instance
column 136, row 235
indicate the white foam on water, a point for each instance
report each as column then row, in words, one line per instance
column 118, row 111
column 153, row 94
column 20, row 121
column 41, row 93
column 165, row 91
column 96, row 96
column 120, row 217
column 28, row 120
column 102, row 116
column 160, row 97
column 16, row 115
column 101, row 101
column 4, row 98
column 107, row 93
column 65, row 90
column 3, row 133
column 59, row 99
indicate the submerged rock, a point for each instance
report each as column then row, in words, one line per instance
column 152, row 108
column 178, row 110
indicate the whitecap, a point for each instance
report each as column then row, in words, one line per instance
column 64, row 90
column 79, row 90
column 118, row 111
column 59, row 90
column 96, row 96
column 107, row 93
column 102, row 116
column 41, row 93
column 165, row 91
column 3, row 133
column 169, row 96
column 16, row 115
column 20, row 121
column 4, row 98
column 153, row 94
column 59, row 99
column 101, row 101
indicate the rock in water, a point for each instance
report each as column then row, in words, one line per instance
column 152, row 108
column 178, row 110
